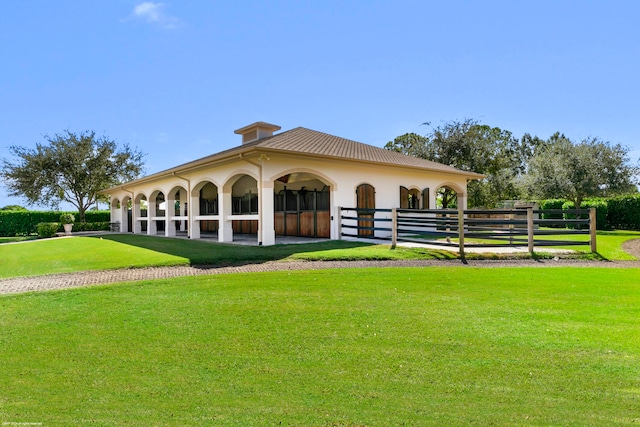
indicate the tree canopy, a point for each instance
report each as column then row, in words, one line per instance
column 13, row 208
column 474, row 147
column 563, row 169
column 526, row 167
column 70, row 167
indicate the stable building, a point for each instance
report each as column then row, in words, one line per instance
column 291, row 183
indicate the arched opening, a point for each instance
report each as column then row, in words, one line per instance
column 244, row 201
column 450, row 196
column 366, row 203
column 302, row 205
column 115, row 217
column 208, row 206
column 409, row 199
column 140, row 214
column 157, row 212
column 126, row 209
column 176, row 212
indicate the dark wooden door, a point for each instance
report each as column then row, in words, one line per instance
column 425, row 198
column 302, row 213
column 366, row 195
column 404, row 198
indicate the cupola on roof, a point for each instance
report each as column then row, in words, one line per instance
column 257, row 130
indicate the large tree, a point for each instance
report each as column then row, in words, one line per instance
column 471, row 146
column 563, row 169
column 70, row 167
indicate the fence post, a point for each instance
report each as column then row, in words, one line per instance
column 530, row 229
column 394, row 228
column 461, row 234
column 592, row 229
column 339, row 222
column 511, row 218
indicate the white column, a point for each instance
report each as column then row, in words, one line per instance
column 462, row 201
column 113, row 212
column 225, row 230
column 169, row 226
column 194, row 208
column 334, row 211
column 124, row 215
column 152, row 227
column 266, row 207
column 137, row 224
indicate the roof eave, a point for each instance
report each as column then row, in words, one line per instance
column 470, row 175
column 219, row 158
column 186, row 167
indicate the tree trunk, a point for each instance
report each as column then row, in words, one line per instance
column 81, row 211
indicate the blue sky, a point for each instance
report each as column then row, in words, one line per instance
column 176, row 78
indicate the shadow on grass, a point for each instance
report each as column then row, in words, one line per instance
column 212, row 254
column 4, row 240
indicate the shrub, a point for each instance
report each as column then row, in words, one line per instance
column 552, row 204
column 67, row 218
column 92, row 226
column 47, row 229
column 15, row 223
column 601, row 212
column 624, row 212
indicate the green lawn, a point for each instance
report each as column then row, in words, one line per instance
column 50, row 256
column 610, row 244
column 354, row 347
column 127, row 250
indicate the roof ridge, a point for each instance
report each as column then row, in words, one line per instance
column 380, row 150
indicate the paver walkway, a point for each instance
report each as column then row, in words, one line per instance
column 88, row 278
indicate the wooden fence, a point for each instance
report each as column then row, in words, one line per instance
column 473, row 228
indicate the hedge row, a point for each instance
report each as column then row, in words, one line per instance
column 624, row 213
column 621, row 213
column 17, row 223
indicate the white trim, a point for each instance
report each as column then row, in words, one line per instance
column 241, row 217
column 207, row 218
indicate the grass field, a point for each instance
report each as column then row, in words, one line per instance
column 371, row 347
column 127, row 250
column 609, row 243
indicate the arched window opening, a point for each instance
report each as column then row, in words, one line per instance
column 409, row 199
column 244, row 201
column 208, row 197
column 446, row 198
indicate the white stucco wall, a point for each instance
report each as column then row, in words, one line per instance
column 342, row 176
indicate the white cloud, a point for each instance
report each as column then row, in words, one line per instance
column 154, row 13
